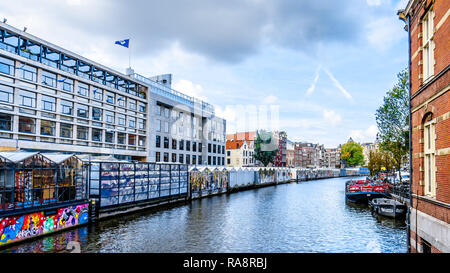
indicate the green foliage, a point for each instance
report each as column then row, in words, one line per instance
column 379, row 159
column 265, row 148
column 352, row 154
column 393, row 120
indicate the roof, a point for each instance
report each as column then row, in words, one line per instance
column 249, row 136
column 16, row 157
column 234, row 144
column 58, row 158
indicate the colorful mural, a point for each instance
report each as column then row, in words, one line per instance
column 208, row 181
column 16, row 228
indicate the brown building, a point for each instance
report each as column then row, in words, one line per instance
column 428, row 27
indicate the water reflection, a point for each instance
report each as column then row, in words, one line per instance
column 305, row 217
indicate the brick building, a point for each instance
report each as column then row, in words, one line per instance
column 429, row 54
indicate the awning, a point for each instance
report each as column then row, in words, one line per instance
column 16, row 157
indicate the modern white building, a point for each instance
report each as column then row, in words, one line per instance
column 52, row 99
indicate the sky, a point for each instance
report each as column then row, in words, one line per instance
column 315, row 69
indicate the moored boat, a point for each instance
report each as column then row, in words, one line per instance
column 388, row 207
column 361, row 191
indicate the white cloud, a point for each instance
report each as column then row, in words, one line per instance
column 373, row 2
column 190, row 89
column 382, row 33
column 368, row 135
column 270, row 99
column 332, row 117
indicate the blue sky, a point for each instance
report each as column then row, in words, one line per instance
column 323, row 65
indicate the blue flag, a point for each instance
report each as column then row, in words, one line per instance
column 123, row 42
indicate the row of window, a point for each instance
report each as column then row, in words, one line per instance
column 48, row 128
column 29, row 73
column 179, row 144
column 186, row 159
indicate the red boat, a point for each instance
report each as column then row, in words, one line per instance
column 361, row 191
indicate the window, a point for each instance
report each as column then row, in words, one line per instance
column 131, row 104
column 194, row 146
column 27, row 98
column 166, row 157
column 48, row 128
column 6, row 66
column 200, row 160
column 110, row 97
column 67, row 84
column 214, row 160
column 97, row 134
column 48, row 103
column 82, row 111
column 158, row 125
column 194, row 159
column 214, row 148
column 157, row 156
column 65, row 130
column 6, row 94
column 199, row 147
column 26, row 125
column 121, row 101
column 66, row 107
column 209, row 147
column 188, row 159
column 131, row 140
column 166, row 127
column 132, row 122
column 428, row 45
column 141, row 124
column 174, row 158
column 96, row 113
column 82, row 132
column 429, row 159
column 121, row 138
column 166, row 112
column 109, row 116
column 166, row 143
column 28, row 72
column 188, row 145
column 228, row 153
column 158, row 141
column 181, row 145
column 98, row 94
column 142, row 141
column 83, row 89
column 228, row 161
column 174, row 144
column 48, row 79
column 121, row 119
column 6, row 122
column 158, row 110
column 109, row 137
column 180, row 158
column 209, row 160
column 142, row 108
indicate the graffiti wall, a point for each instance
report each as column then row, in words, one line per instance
column 206, row 181
column 16, row 228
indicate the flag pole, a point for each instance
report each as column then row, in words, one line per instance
column 129, row 55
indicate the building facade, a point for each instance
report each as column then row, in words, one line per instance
column 332, row 158
column 52, row 99
column 428, row 27
column 281, row 139
column 239, row 153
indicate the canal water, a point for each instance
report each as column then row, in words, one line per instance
column 297, row 217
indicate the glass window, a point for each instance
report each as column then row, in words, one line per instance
column 65, row 130
column 96, row 113
column 166, row 143
column 158, row 141
column 157, row 156
column 166, row 127
column 110, row 97
column 132, row 122
column 6, row 66
column 158, row 125
column 142, row 108
column 48, row 128
column 188, row 159
column 180, row 158
column 26, row 125
column 6, row 94
column 181, row 145
column 166, row 157
column 83, row 89
column 131, row 104
column 199, row 147
column 200, row 159
column 28, row 72
column 48, row 103
column 97, row 134
column 141, row 124
column 6, row 122
column 82, row 132
column 27, row 98
column 158, row 110
column 194, row 159
column 67, row 84
column 98, row 94
column 109, row 137
column 121, row 138
column 188, row 145
column 48, row 78
column 174, row 144
column 82, row 111
column 109, row 116
column 66, row 107
column 142, row 141
column 121, row 119
column 121, row 101
column 174, row 157
column 166, row 112
column 131, row 139
column 214, row 148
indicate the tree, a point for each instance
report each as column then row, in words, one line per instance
column 266, row 148
column 393, row 120
column 379, row 159
column 352, row 154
